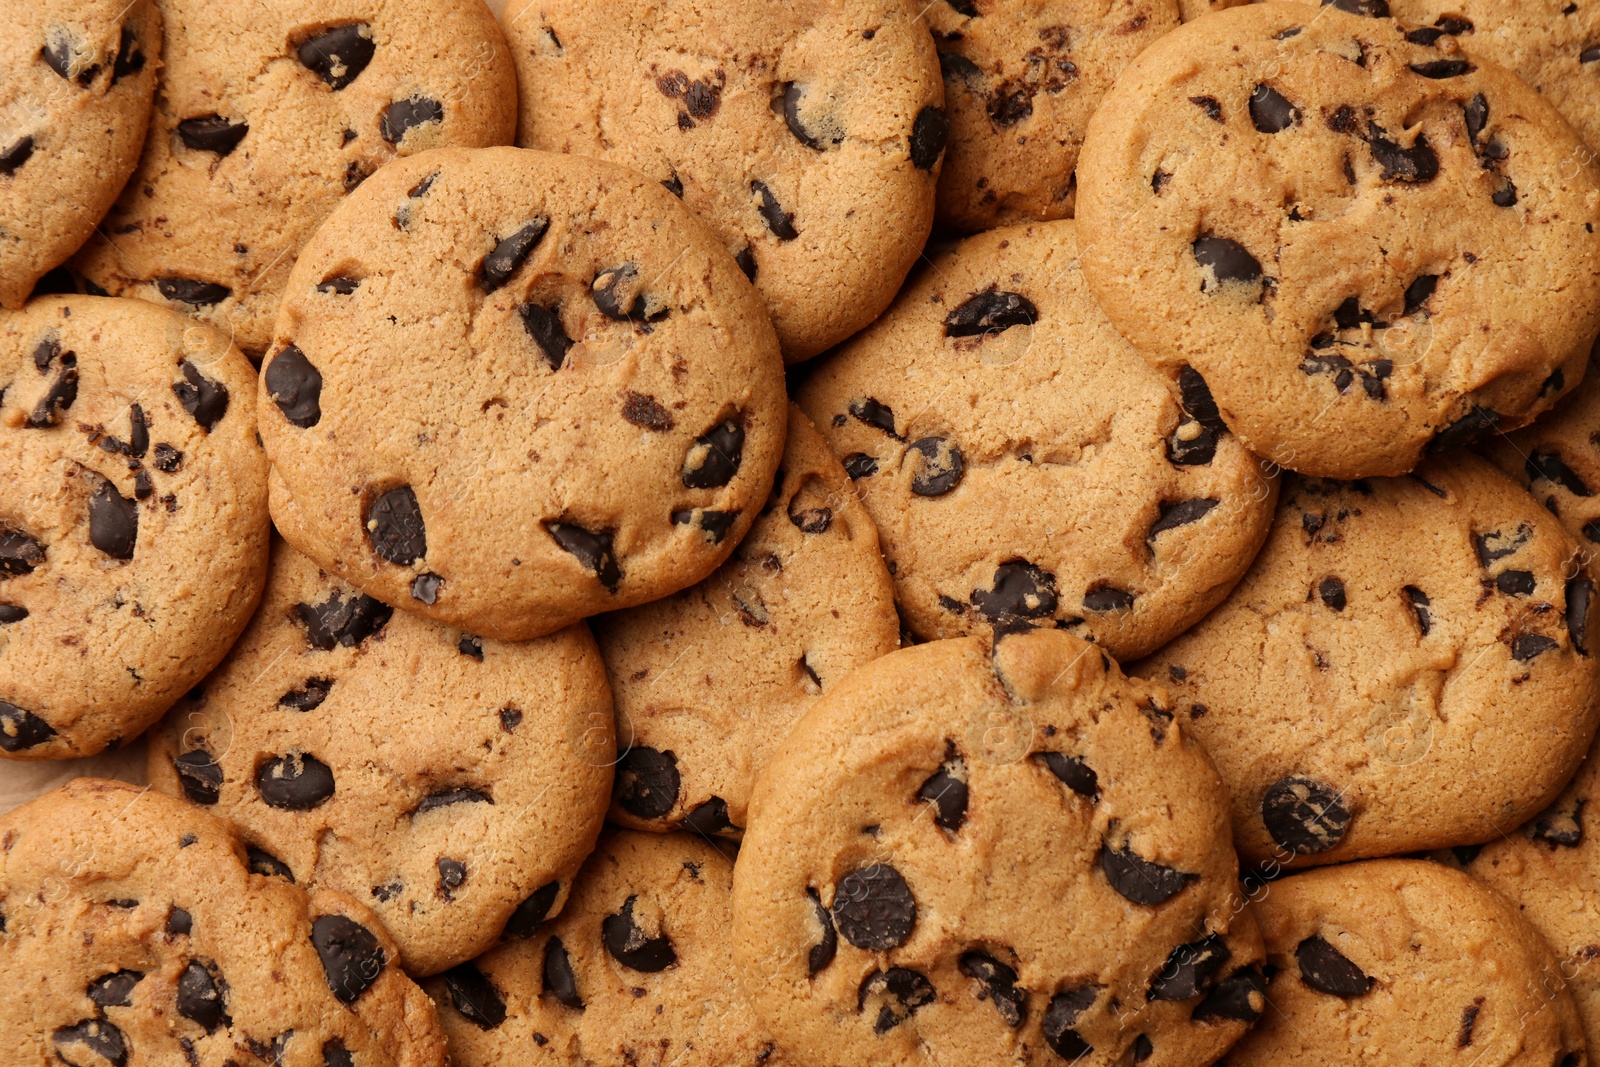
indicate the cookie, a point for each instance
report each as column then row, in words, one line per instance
column 270, row 113
column 1022, row 461
column 513, row 389
column 1020, row 82
column 450, row 782
column 74, row 105
column 979, row 851
column 638, row 970
column 1408, row 665
column 1369, row 248
column 1404, row 961
column 808, row 137
column 133, row 530
column 708, row 681
column 136, row 934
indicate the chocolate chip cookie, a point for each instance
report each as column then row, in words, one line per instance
column 133, row 525
column 269, row 114
column 75, row 97
column 1020, row 82
column 808, row 137
column 985, row 850
column 639, row 969
column 450, row 782
column 710, row 680
column 136, row 933
column 512, row 389
column 1370, row 247
column 1396, row 961
column 1024, row 463
column 1408, row 665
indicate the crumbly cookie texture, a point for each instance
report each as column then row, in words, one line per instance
column 135, row 935
column 1370, row 248
column 710, row 680
column 512, row 389
column 808, row 136
column 133, row 526
column 1409, row 664
column 268, row 116
column 75, row 96
column 638, row 969
column 1020, row 82
column 452, row 783
column 1004, row 851
column 1405, row 961
column 1022, row 461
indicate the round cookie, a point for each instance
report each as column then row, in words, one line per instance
column 133, row 532
column 1020, row 82
column 1369, row 248
column 452, row 783
column 1021, row 460
column 981, row 853
column 1408, row 665
column 1405, row 961
column 270, row 112
column 136, row 935
column 639, row 969
column 74, row 105
column 708, row 681
column 512, row 389
column 808, row 137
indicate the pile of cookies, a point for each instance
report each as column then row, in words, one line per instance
column 713, row 533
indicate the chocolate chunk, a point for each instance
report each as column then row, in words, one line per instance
column 792, row 95
column 334, row 1054
column 872, row 413
column 873, row 908
column 338, row 55
column 1476, row 423
column 343, row 622
column 897, row 993
column 953, row 66
column 1020, row 591
column 1505, row 194
column 674, row 185
column 619, row 295
column 1108, row 599
column 351, row 956
column 1241, row 996
column 179, row 923
column 114, row 990
column 1181, row 513
column 822, row 953
column 10, row 613
column 425, row 587
column 629, row 946
column 471, row 646
column 946, row 790
column 1475, row 113
column 130, row 60
column 19, row 553
column 61, row 395
column 199, row 775
column 168, row 459
column 532, row 911
column 446, row 798
column 203, row 996
column 1420, row 291
column 1331, row 592
column 1142, row 1048
column 714, row 458
column 990, row 311
column 59, row 54
column 1304, row 815
column 1372, row 9
column 940, row 469
column 1327, row 970
column 1589, row 55
column 997, row 983
column 474, row 996
column 339, row 284
column 1208, row 104
column 1073, row 771
column 1271, row 111
column 1514, row 583
column 1548, row 466
column 403, row 116
column 113, row 521
column 296, row 387
column 1560, row 826
column 1189, row 969
column 1063, row 1011
column 1580, row 594
column 859, row 465
column 1527, row 646
column 212, row 133
column 746, row 259
column 194, row 293
column 929, row 133
column 297, row 782
column 452, row 876
column 264, row 863
column 646, row 412
column 1442, row 68
column 16, row 154
column 593, row 549
column 509, row 254
column 1140, row 880
column 558, row 979
column 1224, row 260
column 1469, row 1020
column 811, row 520
column 1414, row 165
column 708, row 818
column 544, row 326
column 201, row 397
column 98, row 1036
column 647, row 782
column 1496, row 545
column 395, row 528
column 307, row 697
column 780, row 222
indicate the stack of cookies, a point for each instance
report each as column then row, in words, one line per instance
column 739, row 534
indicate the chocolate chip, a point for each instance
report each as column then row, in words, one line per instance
column 199, row 775
column 873, row 908
column 307, row 697
column 1505, row 194
column 746, row 259
column 1580, row 594
column 297, row 782
column 1414, row 165
column 709, row 817
column 674, row 185
column 1496, row 545
column 1327, row 970
column 619, row 294
column 1063, row 1011
column 1020, row 591
column 929, row 133
column 1420, row 291
column 1372, row 9
column 395, row 528
column 168, row 459
column 179, row 923
column 1560, row 827
column 647, row 782
column 296, row 387
column 1241, row 996
column 1181, row 513
column 1271, row 111
column 1304, row 815
column 339, row 284
column 425, row 587
column 19, row 553
column 338, row 55
column 130, row 60
column 593, row 549
column 1442, row 68
column 1514, row 583
column 114, row 990
column 474, row 996
column 192, row 292
column 403, row 116
column 1476, row 423
column 264, row 863
column 946, row 790
column 510, row 253
column 1189, row 969
column 452, row 876
column 812, row 520
column 471, row 646
column 990, row 311
column 203, row 996
column 954, row 66
column 997, row 983
column 629, row 946
column 351, row 956
column 1527, row 646
column 16, row 154
column 10, row 613
column 859, row 465
column 780, row 222
column 446, row 798
column 201, row 397
column 60, row 396
column 822, row 953
column 1331, row 592
column 113, row 521
column 1108, row 599
column 1209, row 105
column 714, row 458
column 792, row 95
column 544, row 326
column 898, row 993
column 1073, row 771
column 558, row 979
column 879, row 416
column 1225, row 261
column 212, row 133
column 1140, row 880
column 940, row 469
column 646, row 412
column 60, row 53
column 337, row 621
column 1589, row 55
column 334, row 1054
column 532, row 911
column 98, row 1036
